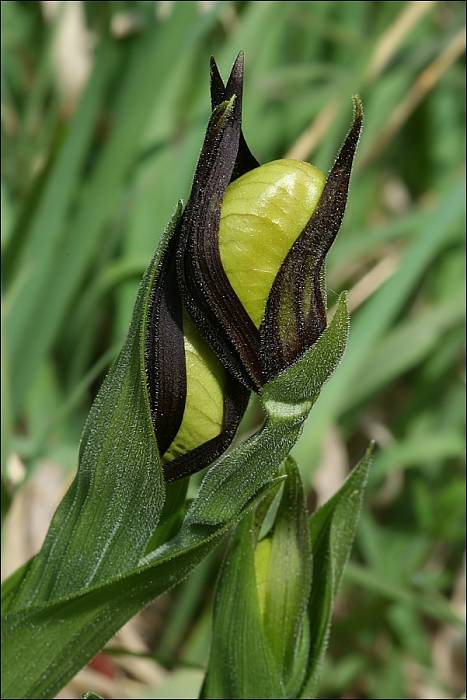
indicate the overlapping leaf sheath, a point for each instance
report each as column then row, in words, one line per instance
column 274, row 597
column 92, row 612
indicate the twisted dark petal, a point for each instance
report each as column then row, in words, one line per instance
column 245, row 159
column 206, row 290
column 166, row 376
column 165, row 353
column 191, row 269
column 217, row 85
column 295, row 313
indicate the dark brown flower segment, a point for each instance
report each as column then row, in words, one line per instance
column 219, row 93
column 165, row 356
column 207, row 293
column 296, row 310
column 192, row 276
column 167, row 377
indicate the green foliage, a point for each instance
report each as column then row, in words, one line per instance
column 103, row 524
column 332, row 530
column 242, row 663
column 71, row 589
column 47, row 634
column 86, row 193
column 288, row 581
column 272, row 612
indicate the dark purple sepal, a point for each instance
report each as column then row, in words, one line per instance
column 295, row 314
column 245, row 160
column 166, row 375
column 165, row 352
column 206, row 290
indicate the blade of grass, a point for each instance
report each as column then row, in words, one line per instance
column 59, row 278
column 433, row 606
column 28, row 316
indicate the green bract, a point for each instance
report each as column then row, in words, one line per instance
column 272, row 610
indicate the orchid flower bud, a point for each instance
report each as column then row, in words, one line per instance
column 253, row 243
column 240, row 294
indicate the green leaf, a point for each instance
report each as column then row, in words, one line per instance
column 259, row 648
column 288, row 580
column 47, row 226
column 59, row 637
column 49, row 631
column 332, row 530
column 241, row 664
column 103, row 524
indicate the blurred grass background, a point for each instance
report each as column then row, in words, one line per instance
column 104, row 106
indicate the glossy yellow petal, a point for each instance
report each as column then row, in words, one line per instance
column 262, row 215
column 204, row 405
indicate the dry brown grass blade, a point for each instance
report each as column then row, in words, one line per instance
column 384, row 50
column 311, row 137
column 72, row 51
column 31, row 510
column 333, row 467
column 392, row 38
column 370, row 282
column 373, row 279
column 422, row 86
